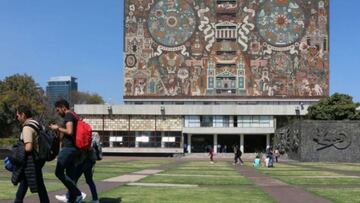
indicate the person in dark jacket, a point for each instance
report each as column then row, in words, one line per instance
column 69, row 156
column 237, row 155
column 30, row 174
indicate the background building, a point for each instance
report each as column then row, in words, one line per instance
column 60, row 87
column 215, row 73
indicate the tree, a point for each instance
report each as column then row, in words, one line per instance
column 86, row 98
column 337, row 107
column 14, row 91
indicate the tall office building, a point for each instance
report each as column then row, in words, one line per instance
column 215, row 73
column 60, row 87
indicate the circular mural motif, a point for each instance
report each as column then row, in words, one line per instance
column 171, row 23
column 130, row 60
column 280, row 22
column 281, row 62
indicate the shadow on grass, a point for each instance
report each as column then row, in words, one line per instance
column 110, row 200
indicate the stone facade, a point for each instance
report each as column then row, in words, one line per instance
column 95, row 121
column 120, row 123
column 169, row 123
column 332, row 141
column 142, row 123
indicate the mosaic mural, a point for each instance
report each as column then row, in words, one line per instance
column 226, row 48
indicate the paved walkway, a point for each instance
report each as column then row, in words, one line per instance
column 278, row 190
column 107, row 184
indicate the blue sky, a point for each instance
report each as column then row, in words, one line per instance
column 84, row 38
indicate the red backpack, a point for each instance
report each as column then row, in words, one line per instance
column 83, row 133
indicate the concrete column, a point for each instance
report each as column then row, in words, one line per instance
column 111, row 144
column 189, row 143
column 162, row 143
column 242, row 143
column 231, row 121
column 267, row 141
column 136, row 143
column 215, row 143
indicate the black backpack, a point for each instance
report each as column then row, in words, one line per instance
column 48, row 143
column 96, row 144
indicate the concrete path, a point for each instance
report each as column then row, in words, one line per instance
column 278, row 190
column 107, row 184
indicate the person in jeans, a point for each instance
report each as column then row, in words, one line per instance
column 29, row 136
column 86, row 168
column 69, row 156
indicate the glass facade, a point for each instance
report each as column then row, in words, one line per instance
column 144, row 139
column 225, row 121
column 60, row 88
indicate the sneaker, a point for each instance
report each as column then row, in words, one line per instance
column 61, row 198
column 79, row 198
column 83, row 195
column 64, row 198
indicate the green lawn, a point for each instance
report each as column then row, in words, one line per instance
column 103, row 170
column 219, row 182
column 337, row 166
column 135, row 194
column 196, row 180
column 322, row 182
column 299, row 173
column 338, row 195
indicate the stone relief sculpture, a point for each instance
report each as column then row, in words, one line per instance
column 338, row 138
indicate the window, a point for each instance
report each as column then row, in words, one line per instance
column 221, row 121
column 241, row 83
column 171, row 139
column 148, row 139
column 192, row 121
column 210, row 83
column 119, row 139
column 206, row 121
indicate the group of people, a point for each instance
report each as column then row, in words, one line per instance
column 71, row 162
column 267, row 159
column 237, row 155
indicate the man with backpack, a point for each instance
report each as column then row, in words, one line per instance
column 31, row 175
column 69, row 156
column 87, row 168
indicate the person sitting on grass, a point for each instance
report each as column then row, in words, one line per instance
column 257, row 161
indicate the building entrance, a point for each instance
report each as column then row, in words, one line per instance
column 254, row 143
column 201, row 143
column 226, row 143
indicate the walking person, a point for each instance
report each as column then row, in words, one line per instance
column 211, row 154
column 237, row 155
column 69, row 156
column 87, row 168
column 31, row 175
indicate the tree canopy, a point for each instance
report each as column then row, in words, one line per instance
column 14, row 91
column 20, row 89
column 337, row 107
column 78, row 97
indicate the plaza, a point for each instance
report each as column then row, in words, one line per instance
column 136, row 179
